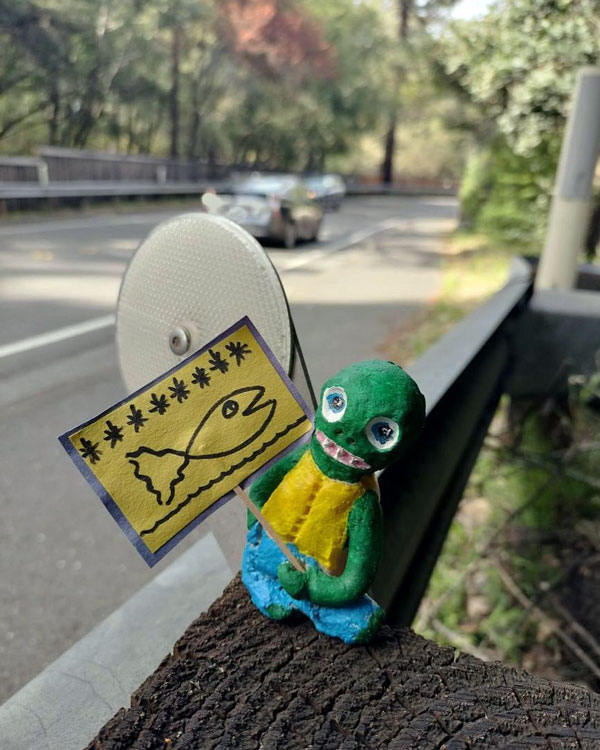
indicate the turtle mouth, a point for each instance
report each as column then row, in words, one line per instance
column 340, row 454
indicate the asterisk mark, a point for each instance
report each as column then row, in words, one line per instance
column 113, row 433
column 201, row 377
column 217, row 362
column 135, row 419
column 159, row 403
column 179, row 390
column 238, row 350
column 90, row 450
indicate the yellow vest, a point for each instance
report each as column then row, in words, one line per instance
column 311, row 511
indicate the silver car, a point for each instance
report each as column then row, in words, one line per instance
column 328, row 189
column 273, row 207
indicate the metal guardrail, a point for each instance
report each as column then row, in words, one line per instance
column 74, row 165
column 462, row 376
column 519, row 343
column 100, row 189
column 72, row 175
column 70, row 165
column 16, row 169
column 23, row 194
column 559, row 336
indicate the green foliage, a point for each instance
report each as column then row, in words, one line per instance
column 532, row 504
column 517, row 66
column 125, row 76
column 506, row 195
column 431, row 140
column 476, row 185
column 533, row 510
column 518, row 63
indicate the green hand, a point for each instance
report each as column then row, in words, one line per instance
column 293, row 581
column 365, row 544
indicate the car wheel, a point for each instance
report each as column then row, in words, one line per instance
column 290, row 235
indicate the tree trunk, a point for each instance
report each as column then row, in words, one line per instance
column 192, row 149
column 387, row 166
column 54, row 116
column 404, row 10
column 174, row 91
column 131, row 134
column 236, row 679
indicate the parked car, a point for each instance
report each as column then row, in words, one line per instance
column 329, row 190
column 276, row 207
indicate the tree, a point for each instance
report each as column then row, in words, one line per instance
column 278, row 83
column 519, row 63
column 518, row 66
column 277, row 37
column 409, row 13
column 33, row 62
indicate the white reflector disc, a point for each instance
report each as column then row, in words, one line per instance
column 199, row 273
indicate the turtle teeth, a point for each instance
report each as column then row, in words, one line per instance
column 344, row 456
column 340, row 454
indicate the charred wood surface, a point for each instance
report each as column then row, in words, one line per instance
column 238, row 680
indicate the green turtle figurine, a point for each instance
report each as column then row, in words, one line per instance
column 322, row 500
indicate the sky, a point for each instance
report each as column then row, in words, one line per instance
column 470, row 8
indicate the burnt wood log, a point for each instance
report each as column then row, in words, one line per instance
column 238, row 680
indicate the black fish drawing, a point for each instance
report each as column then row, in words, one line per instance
column 241, row 412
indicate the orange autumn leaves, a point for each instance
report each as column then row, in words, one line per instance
column 278, row 38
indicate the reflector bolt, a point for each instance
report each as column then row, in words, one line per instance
column 179, row 340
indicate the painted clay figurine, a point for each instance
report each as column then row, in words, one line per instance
column 322, row 500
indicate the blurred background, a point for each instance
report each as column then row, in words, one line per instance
column 283, row 85
column 436, row 124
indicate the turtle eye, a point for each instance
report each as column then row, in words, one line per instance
column 334, row 404
column 383, row 433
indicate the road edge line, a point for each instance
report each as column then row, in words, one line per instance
column 59, row 334
column 352, row 239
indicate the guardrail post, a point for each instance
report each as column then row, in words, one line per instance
column 161, row 174
column 569, row 213
column 42, row 173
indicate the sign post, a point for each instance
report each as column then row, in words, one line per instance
column 570, row 211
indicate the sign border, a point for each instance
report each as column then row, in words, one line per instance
column 151, row 558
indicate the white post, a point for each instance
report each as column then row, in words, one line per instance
column 570, row 211
column 161, row 174
column 42, row 172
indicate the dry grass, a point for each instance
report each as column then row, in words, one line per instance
column 474, row 268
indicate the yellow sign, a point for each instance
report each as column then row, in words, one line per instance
column 169, row 454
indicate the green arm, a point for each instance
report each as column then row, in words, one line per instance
column 263, row 487
column 365, row 545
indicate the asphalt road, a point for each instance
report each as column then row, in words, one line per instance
column 64, row 565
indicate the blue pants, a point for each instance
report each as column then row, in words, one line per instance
column 261, row 559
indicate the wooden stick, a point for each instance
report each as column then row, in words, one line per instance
column 575, row 624
column 513, row 588
column 255, row 510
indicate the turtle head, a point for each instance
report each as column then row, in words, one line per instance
column 368, row 415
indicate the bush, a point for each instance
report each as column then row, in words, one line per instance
column 506, row 195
